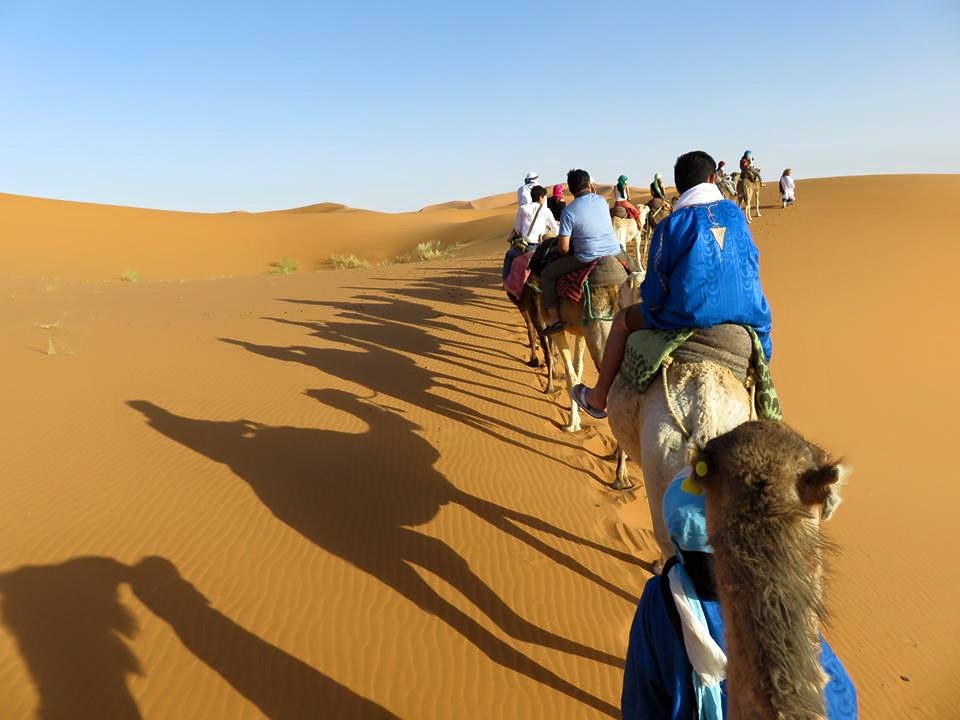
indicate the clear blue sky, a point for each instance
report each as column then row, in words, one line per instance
column 256, row 105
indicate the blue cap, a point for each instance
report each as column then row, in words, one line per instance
column 684, row 514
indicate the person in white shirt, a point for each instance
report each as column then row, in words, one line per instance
column 533, row 221
column 523, row 192
column 788, row 189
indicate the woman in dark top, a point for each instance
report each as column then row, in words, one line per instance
column 555, row 202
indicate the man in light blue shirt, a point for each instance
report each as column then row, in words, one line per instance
column 586, row 234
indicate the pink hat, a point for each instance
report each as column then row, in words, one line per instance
column 558, row 191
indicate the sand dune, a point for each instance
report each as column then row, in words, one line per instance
column 341, row 494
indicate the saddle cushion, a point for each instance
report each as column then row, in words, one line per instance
column 607, row 270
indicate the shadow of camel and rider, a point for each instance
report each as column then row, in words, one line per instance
column 382, row 329
column 356, row 496
column 72, row 630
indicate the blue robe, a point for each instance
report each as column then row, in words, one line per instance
column 695, row 280
column 657, row 679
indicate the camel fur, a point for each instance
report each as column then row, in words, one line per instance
column 627, row 231
column 748, row 192
column 579, row 337
column 767, row 489
column 529, row 309
column 709, row 400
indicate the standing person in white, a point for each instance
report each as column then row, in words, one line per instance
column 523, row 192
column 788, row 189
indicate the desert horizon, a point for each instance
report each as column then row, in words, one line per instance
column 75, row 240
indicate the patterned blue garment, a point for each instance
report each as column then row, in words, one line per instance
column 704, row 271
column 657, row 679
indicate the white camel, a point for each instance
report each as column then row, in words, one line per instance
column 627, row 231
column 704, row 397
column 748, row 192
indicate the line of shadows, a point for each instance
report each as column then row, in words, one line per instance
column 71, row 629
column 359, row 496
column 389, row 326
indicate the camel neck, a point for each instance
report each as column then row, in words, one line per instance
column 768, row 572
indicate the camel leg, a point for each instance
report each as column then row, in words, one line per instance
column 562, row 340
column 531, row 336
column 534, row 361
column 534, row 312
column 758, row 203
column 532, row 342
column 579, row 350
column 622, row 481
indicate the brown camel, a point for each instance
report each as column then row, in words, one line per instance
column 767, row 489
column 587, row 331
column 657, row 210
column 530, row 313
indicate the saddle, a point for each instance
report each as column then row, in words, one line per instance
column 658, row 211
column 609, row 270
column 619, row 212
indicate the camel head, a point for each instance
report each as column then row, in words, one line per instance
column 766, row 467
column 767, row 489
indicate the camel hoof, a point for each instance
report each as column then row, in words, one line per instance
column 619, row 484
column 571, row 428
column 533, row 362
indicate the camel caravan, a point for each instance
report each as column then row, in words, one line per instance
column 667, row 301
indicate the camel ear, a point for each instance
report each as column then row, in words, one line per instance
column 822, row 487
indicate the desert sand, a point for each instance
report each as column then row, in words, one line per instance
column 229, row 493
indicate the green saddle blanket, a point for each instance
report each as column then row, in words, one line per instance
column 647, row 349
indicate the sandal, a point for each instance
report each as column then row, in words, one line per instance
column 553, row 328
column 579, row 394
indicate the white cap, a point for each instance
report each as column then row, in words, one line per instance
column 531, row 177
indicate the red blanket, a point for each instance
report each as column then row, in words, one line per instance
column 518, row 276
column 570, row 286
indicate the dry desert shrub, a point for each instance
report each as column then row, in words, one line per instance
column 287, row 266
column 347, row 262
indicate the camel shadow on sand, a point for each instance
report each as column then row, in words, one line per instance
column 384, row 327
column 72, row 631
column 358, row 497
